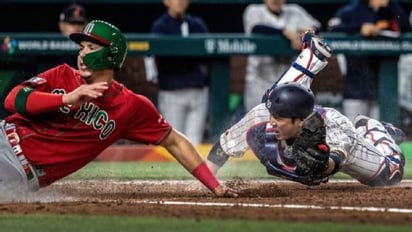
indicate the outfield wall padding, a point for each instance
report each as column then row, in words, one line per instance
column 149, row 153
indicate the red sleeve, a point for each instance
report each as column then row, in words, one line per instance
column 27, row 101
column 34, row 96
column 146, row 124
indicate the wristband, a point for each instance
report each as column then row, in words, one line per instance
column 204, row 175
column 336, row 158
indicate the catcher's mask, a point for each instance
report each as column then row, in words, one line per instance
column 113, row 53
column 291, row 100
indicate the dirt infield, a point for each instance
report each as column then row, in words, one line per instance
column 348, row 202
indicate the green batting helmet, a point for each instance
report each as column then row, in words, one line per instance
column 113, row 53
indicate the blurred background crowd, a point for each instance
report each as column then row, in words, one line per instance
column 181, row 86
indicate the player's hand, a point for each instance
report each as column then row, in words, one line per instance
column 85, row 93
column 310, row 148
column 294, row 37
column 369, row 29
column 223, row 191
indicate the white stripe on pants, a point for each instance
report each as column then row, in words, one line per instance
column 13, row 180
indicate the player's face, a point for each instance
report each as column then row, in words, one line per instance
column 285, row 128
column 376, row 4
column 274, row 5
column 177, row 8
column 85, row 48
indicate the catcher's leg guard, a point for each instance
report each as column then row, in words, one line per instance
column 308, row 64
column 397, row 134
column 310, row 61
column 374, row 132
column 317, row 45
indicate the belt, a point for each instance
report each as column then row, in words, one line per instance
column 14, row 140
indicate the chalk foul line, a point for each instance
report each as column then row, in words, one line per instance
column 284, row 206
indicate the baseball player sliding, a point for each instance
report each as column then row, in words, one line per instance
column 63, row 118
column 303, row 142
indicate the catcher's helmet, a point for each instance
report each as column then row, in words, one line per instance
column 290, row 100
column 113, row 53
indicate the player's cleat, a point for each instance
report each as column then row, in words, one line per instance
column 318, row 46
column 397, row 134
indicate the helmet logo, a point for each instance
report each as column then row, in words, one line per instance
column 88, row 28
column 114, row 45
column 115, row 50
column 268, row 104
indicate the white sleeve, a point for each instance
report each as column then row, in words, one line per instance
column 151, row 69
column 234, row 140
column 251, row 17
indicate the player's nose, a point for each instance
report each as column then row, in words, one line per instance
column 272, row 121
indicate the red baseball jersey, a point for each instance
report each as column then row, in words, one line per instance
column 63, row 141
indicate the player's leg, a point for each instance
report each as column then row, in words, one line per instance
column 391, row 166
column 393, row 132
column 13, row 179
column 216, row 157
column 397, row 134
column 310, row 61
column 197, row 114
column 171, row 106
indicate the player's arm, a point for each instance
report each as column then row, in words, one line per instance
column 26, row 99
column 216, row 157
column 187, row 155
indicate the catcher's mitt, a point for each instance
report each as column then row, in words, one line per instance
column 310, row 149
